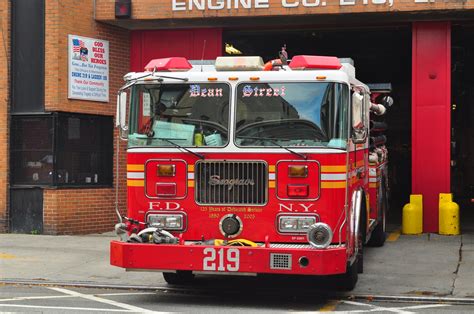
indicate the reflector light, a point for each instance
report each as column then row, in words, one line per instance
column 300, row 171
column 166, row 189
column 166, row 171
column 315, row 62
column 297, row 190
column 174, row 64
column 239, row 64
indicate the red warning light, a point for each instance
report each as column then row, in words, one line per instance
column 123, row 8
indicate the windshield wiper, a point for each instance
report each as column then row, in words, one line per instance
column 272, row 140
column 158, row 77
column 161, row 77
column 181, row 147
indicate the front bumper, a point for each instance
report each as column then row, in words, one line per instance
column 219, row 259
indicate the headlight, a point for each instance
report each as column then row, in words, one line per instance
column 295, row 223
column 320, row 235
column 166, row 221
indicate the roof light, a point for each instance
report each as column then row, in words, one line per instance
column 314, row 62
column 321, row 77
column 174, row 64
column 212, row 78
column 239, row 64
column 254, row 78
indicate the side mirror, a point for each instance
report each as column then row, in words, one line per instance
column 121, row 117
column 359, row 129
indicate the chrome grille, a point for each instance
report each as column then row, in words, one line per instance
column 231, row 182
column 280, row 261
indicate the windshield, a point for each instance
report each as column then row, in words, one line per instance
column 191, row 114
column 292, row 114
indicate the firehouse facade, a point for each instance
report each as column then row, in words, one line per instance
column 58, row 166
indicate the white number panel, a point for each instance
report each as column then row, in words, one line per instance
column 221, row 259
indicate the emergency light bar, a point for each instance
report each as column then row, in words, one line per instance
column 175, row 64
column 239, row 64
column 314, row 62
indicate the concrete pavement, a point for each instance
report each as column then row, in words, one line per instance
column 425, row 265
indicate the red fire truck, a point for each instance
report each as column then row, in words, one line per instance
column 251, row 168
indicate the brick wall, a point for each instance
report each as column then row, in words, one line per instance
column 80, row 211
column 4, row 105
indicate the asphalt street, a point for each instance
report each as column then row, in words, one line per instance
column 54, row 299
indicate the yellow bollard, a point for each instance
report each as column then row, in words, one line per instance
column 448, row 215
column 412, row 216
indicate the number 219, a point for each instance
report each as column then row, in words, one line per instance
column 221, row 259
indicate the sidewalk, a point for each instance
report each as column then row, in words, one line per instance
column 428, row 264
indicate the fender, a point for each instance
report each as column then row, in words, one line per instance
column 356, row 208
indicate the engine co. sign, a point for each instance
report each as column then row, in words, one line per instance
column 202, row 5
column 88, row 68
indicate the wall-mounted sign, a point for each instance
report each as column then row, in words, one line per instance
column 88, row 62
column 203, row 5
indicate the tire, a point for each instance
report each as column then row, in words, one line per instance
column 348, row 280
column 181, row 277
column 378, row 235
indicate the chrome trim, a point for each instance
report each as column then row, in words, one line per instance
column 244, row 195
column 318, row 226
column 240, row 224
column 161, row 197
column 298, row 161
column 281, row 261
column 291, row 246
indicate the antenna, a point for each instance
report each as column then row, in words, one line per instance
column 202, row 56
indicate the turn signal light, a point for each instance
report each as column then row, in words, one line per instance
column 300, row 171
column 166, row 170
column 297, row 190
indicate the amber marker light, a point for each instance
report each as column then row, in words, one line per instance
column 254, row 78
column 298, row 171
column 166, row 171
column 212, row 78
column 233, row 78
column 321, row 77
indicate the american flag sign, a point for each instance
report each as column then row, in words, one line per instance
column 77, row 44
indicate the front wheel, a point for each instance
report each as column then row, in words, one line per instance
column 181, row 277
column 348, row 280
column 378, row 236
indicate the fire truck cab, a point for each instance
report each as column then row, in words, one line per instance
column 251, row 168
